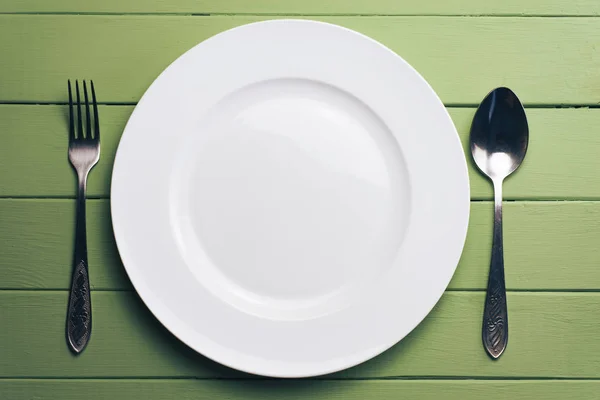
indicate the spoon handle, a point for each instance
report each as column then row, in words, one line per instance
column 495, row 315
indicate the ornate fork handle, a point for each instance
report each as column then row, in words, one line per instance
column 79, row 313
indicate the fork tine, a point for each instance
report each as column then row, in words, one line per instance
column 96, row 121
column 79, row 124
column 88, row 123
column 71, row 120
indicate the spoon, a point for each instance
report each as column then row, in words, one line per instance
column 499, row 137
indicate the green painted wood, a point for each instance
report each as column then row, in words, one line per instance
column 362, row 7
column 548, row 246
column 37, row 239
column 545, row 60
column 551, row 335
column 561, row 163
column 33, row 155
column 150, row 389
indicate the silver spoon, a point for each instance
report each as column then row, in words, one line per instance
column 499, row 138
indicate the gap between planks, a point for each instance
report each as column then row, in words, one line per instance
column 241, row 14
column 453, row 290
column 165, row 379
column 447, row 105
column 524, row 200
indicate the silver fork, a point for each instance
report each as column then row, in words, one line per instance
column 84, row 152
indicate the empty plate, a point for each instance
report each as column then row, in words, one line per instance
column 290, row 198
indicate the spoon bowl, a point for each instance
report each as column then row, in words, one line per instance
column 499, row 134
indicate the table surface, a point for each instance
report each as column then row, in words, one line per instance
column 547, row 51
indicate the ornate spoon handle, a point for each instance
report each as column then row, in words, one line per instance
column 495, row 315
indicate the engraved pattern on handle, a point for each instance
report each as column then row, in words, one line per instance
column 79, row 316
column 495, row 314
column 495, row 318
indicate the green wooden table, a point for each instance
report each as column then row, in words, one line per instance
column 547, row 51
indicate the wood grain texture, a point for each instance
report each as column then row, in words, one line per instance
column 544, row 60
column 561, row 162
column 362, row 7
column 150, row 389
column 552, row 335
column 547, row 246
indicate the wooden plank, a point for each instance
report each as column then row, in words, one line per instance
column 150, row 389
column 33, row 157
column 545, row 60
column 551, row 335
column 562, row 156
column 38, row 238
column 318, row 7
column 547, row 246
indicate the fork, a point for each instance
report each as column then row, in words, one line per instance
column 84, row 152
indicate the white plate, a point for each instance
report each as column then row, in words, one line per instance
column 290, row 198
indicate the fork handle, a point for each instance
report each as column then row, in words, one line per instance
column 79, row 313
